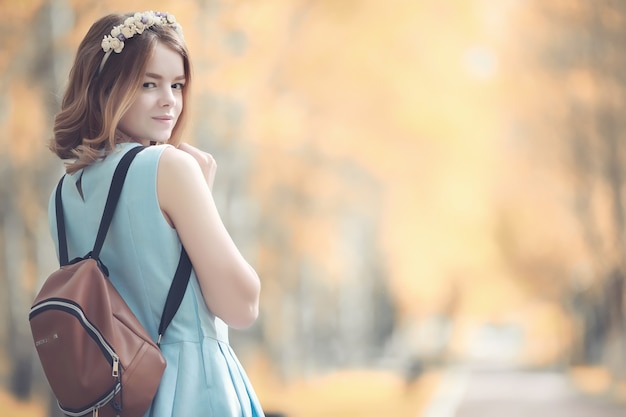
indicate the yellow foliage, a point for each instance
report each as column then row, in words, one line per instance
column 422, row 99
column 347, row 393
column 9, row 406
column 26, row 134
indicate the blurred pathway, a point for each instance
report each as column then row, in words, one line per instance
column 512, row 393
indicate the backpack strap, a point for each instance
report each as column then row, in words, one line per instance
column 63, row 256
column 176, row 292
column 183, row 270
column 109, row 208
column 114, row 196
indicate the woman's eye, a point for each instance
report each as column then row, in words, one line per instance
column 149, row 85
column 178, row 86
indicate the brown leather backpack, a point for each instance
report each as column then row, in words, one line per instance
column 97, row 357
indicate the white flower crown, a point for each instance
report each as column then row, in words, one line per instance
column 134, row 25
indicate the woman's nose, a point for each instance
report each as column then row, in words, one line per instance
column 167, row 98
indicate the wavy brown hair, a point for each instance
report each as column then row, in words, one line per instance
column 86, row 127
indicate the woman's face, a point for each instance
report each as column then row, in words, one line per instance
column 159, row 101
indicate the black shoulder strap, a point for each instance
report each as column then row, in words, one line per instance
column 114, row 196
column 183, row 271
column 63, row 256
column 176, row 292
column 109, row 208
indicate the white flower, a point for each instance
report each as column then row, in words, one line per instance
column 117, row 45
column 149, row 17
column 106, row 44
column 128, row 32
column 135, row 25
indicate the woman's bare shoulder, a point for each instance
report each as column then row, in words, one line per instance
column 172, row 157
column 178, row 176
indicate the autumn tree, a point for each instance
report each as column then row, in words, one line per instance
column 576, row 49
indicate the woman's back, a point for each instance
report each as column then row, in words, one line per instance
column 141, row 251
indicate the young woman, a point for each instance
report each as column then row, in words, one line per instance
column 128, row 87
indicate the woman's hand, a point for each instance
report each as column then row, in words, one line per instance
column 205, row 160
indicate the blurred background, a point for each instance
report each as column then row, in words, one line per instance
column 428, row 189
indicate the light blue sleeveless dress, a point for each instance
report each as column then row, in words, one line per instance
column 203, row 376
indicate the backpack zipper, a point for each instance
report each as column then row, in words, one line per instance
column 76, row 311
column 94, row 409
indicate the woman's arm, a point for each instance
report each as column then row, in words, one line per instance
column 230, row 286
